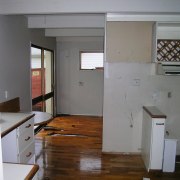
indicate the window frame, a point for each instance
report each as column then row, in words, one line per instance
column 90, row 51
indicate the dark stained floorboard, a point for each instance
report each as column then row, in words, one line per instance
column 74, row 151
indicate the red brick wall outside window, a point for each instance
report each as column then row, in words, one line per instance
column 37, row 86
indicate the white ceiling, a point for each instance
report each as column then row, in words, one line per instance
column 84, row 17
column 88, row 6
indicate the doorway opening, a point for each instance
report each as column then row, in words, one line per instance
column 42, row 79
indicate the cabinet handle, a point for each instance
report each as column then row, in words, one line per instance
column 29, row 154
column 28, row 138
column 28, row 126
column 160, row 124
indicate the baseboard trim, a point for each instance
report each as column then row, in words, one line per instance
column 60, row 115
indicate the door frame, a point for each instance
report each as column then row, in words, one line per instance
column 44, row 97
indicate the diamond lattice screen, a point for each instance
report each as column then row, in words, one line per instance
column 168, row 50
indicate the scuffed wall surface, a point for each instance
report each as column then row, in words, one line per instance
column 124, row 98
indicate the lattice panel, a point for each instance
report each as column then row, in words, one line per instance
column 168, row 50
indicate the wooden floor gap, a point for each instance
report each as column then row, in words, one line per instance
column 69, row 135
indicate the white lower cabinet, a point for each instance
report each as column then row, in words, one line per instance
column 27, row 156
column 18, row 145
column 153, row 128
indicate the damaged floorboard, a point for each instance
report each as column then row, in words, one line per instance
column 73, row 150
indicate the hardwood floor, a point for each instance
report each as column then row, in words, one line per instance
column 73, row 151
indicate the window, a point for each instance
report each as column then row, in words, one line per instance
column 91, row 60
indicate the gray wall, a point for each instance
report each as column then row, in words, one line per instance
column 71, row 97
column 15, row 40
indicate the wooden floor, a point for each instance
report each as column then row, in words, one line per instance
column 73, row 151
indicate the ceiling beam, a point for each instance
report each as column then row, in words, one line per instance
column 75, row 32
column 79, row 39
column 143, row 17
column 67, row 21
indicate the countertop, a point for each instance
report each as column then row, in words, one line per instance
column 41, row 118
column 154, row 112
column 10, row 121
column 19, row 171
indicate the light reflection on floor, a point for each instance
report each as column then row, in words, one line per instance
column 90, row 164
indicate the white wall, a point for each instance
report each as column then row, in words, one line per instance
column 128, row 86
column 168, row 31
column 15, row 40
column 123, row 102
column 73, row 98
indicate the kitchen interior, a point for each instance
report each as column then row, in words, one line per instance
column 141, row 85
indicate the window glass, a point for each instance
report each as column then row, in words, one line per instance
column 91, row 60
column 48, row 71
column 36, row 72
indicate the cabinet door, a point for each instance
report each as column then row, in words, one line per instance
column 146, row 139
column 25, row 139
column 27, row 154
column 27, row 126
column 9, row 147
column 157, row 143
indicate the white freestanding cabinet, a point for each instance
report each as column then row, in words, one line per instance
column 153, row 128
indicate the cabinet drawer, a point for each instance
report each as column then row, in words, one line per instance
column 25, row 139
column 27, row 154
column 26, row 126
